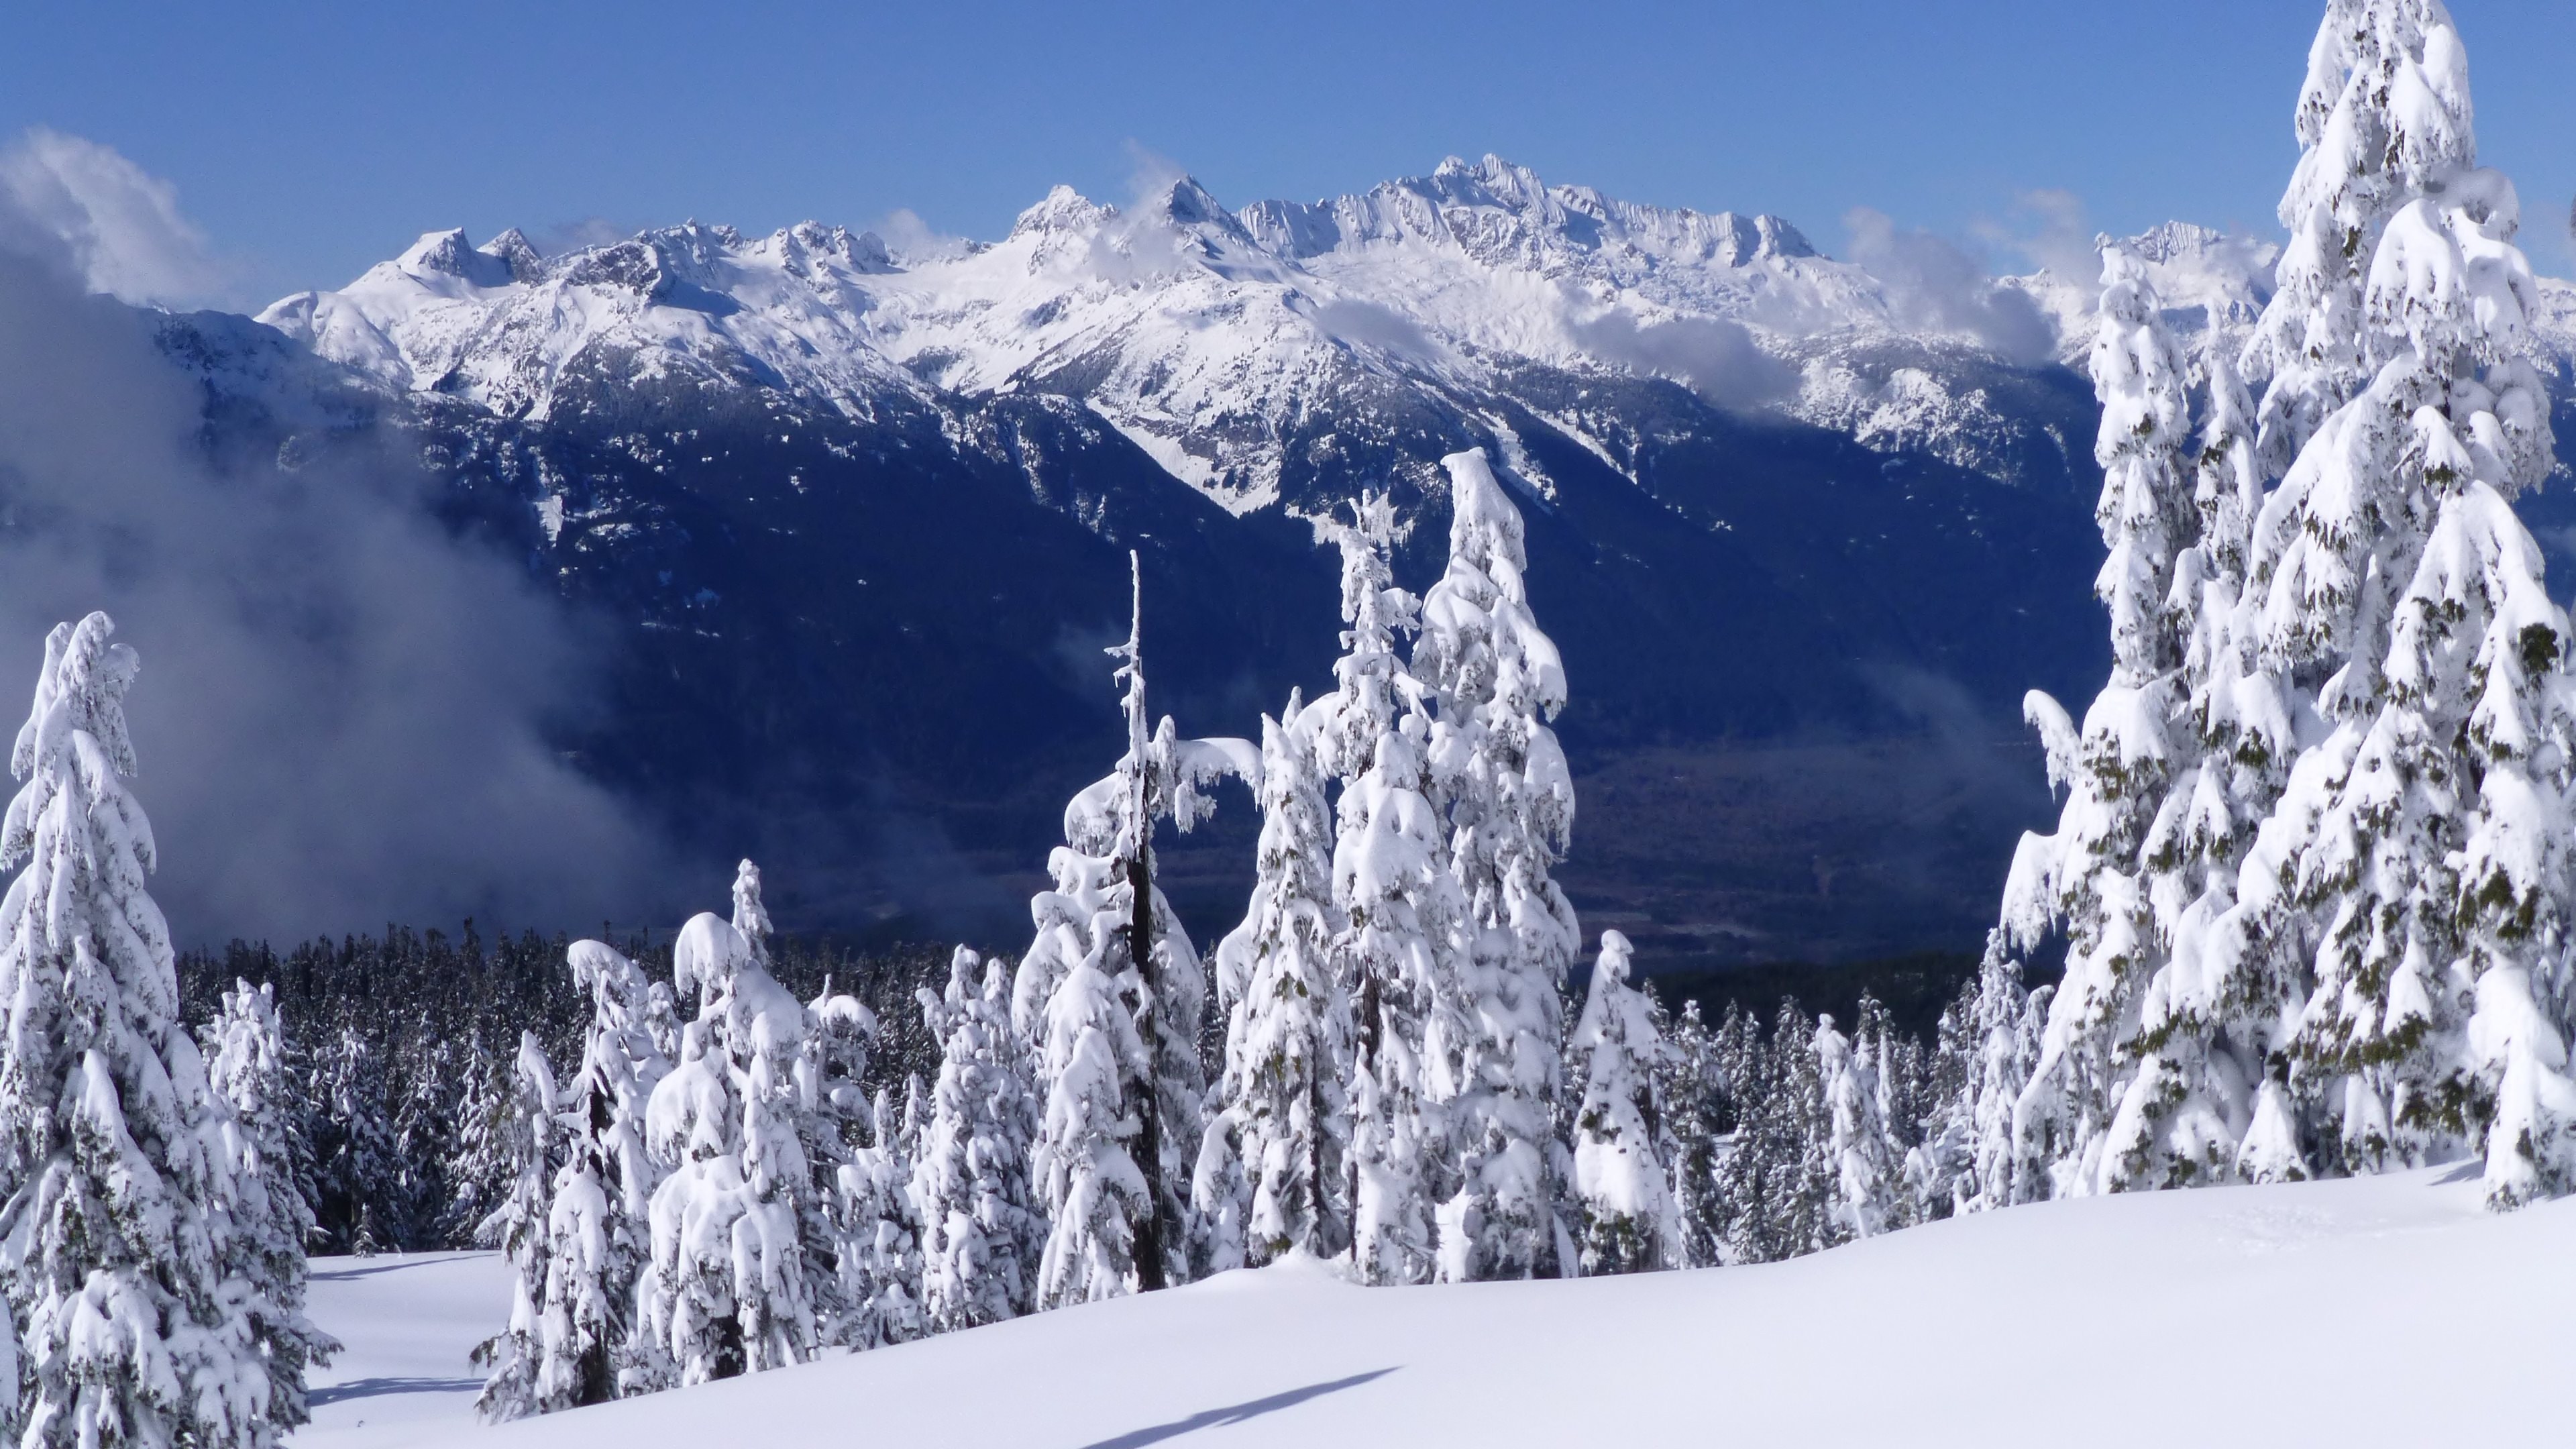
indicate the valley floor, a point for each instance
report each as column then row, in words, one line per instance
column 2386, row 1311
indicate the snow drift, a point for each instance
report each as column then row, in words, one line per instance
column 2394, row 1310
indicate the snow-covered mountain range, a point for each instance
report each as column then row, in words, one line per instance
column 1805, row 527
column 1216, row 339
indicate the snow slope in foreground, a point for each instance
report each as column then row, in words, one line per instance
column 2389, row 1311
column 405, row 1323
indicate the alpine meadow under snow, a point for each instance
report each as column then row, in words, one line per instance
column 1387, row 1164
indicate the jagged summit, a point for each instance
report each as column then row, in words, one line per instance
column 1219, row 340
column 1507, row 213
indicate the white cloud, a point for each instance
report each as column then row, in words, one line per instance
column 1933, row 285
column 120, row 224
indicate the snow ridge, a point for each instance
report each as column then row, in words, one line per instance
column 1218, row 339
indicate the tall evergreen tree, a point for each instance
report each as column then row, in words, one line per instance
column 1860, row 1149
column 1509, row 801
column 113, row 1247
column 1992, row 1034
column 482, row 1166
column 1288, row 1047
column 516, row 1358
column 981, row 1240
column 1623, row 1145
column 266, row 1216
column 599, row 1228
column 362, row 1202
column 1399, row 904
column 1113, row 997
column 728, row 1289
column 2417, row 845
column 1691, row 1086
column 2097, row 879
column 1780, row 1182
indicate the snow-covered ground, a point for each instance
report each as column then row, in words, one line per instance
column 2387, row 1311
column 405, row 1322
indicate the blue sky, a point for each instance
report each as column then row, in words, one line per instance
column 308, row 140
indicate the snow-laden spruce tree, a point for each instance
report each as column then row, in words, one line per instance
column 838, row 1224
column 1623, row 1146
column 1400, row 906
column 750, row 915
column 728, row 1290
column 2415, row 861
column 1499, row 774
column 1859, row 1148
column 2095, row 880
column 359, row 1174
column 480, row 1165
column 517, row 1384
column 1779, row 1180
column 1084, row 1052
column 1111, row 996
column 1988, row 1040
column 118, row 1263
column 266, row 1218
column 2210, row 1016
column 1692, row 1089
column 598, row 1226
column 980, row 1239
column 1288, row 1044
column 882, row 1262
column 425, row 1129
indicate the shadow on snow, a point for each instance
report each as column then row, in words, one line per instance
column 379, row 1387
column 1234, row 1413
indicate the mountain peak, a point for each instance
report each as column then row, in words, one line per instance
column 514, row 251
column 449, row 254
column 1064, row 209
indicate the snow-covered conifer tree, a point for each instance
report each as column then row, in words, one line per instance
column 1992, row 1035
column 425, row 1130
column 360, row 1171
column 750, row 916
column 266, row 1216
column 837, row 1215
column 885, row 1266
column 2415, row 857
column 2096, row 879
column 1496, row 768
column 114, row 1250
column 481, row 1166
column 516, row 1356
column 1399, row 902
column 1623, row 1149
column 1690, row 1088
column 728, row 1288
column 1112, row 996
column 2212, row 1012
column 1288, row 1045
column 980, row 1240
column 598, row 1227
column 1780, row 1182
column 1867, row 1181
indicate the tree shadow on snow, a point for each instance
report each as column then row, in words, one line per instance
column 1235, row 1413
column 343, row 1275
column 379, row 1387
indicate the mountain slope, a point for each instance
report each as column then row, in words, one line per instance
column 853, row 517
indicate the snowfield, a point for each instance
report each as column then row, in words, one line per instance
column 2388, row 1310
column 406, row 1322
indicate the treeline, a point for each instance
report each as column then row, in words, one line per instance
column 399, row 1047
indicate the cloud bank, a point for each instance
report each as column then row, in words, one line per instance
column 120, row 226
column 1932, row 285
column 344, row 715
